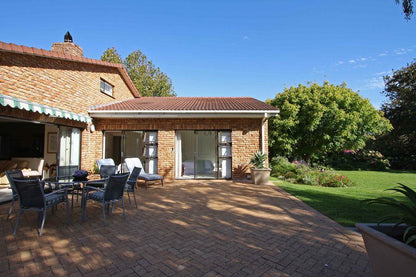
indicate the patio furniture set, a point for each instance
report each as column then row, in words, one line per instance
column 38, row 195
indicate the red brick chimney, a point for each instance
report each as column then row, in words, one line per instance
column 67, row 47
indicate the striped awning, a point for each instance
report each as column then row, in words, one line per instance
column 21, row 104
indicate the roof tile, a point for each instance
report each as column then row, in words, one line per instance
column 187, row 104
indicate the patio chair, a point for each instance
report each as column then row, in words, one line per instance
column 113, row 192
column 13, row 174
column 135, row 162
column 107, row 170
column 32, row 198
column 17, row 174
column 67, row 172
column 131, row 184
column 107, row 161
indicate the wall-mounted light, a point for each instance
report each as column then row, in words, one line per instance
column 92, row 128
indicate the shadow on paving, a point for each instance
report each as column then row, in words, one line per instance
column 187, row 228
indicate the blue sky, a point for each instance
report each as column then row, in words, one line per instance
column 232, row 47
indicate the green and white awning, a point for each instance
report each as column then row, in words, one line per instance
column 21, row 104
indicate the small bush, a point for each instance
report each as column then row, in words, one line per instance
column 280, row 166
column 302, row 173
column 333, row 179
column 290, row 175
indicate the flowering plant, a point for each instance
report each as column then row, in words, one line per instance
column 80, row 175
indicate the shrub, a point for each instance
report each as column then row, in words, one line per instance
column 290, row 175
column 356, row 160
column 280, row 166
column 333, row 179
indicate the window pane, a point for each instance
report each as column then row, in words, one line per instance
column 102, row 85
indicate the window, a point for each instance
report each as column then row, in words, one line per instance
column 106, row 87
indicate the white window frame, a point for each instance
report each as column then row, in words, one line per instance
column 106, row 87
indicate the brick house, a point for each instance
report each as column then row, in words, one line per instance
column 67, row 109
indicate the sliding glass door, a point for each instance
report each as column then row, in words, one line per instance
column 119, row 145
column 198, row 157
column 69, row 146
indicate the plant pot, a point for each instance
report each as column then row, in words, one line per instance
column 260, row 176
column 388, row 256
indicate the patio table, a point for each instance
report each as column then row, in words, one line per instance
column 65, row 182
column 70, row 183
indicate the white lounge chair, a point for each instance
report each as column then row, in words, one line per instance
column 135, row 162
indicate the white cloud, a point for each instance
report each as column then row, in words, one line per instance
column 375, row 83
column 245, row 37
column 352, row 61
column 382, row 73
column 402, row 51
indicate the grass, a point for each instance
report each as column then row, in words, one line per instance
column 344, row 204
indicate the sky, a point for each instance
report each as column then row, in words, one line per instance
column 253, row 48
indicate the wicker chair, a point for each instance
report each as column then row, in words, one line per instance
column 113, row 192
column 107, row 171
column 131, row 184
column 67, row 172
column 32, row 198
column 13, row 174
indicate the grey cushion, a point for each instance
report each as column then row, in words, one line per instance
column 150, row 177
column 54, row 199
column 99, row 195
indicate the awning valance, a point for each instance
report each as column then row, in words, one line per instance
column 21, row 104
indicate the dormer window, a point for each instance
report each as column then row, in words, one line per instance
column 106, row 87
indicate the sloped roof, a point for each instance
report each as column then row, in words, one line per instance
column 25, row 50
column 187, row 104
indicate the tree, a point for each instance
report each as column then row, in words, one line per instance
column 318, row 120
column 111, row 55
column 407, row 7
column 147, row 78
column 400, row 144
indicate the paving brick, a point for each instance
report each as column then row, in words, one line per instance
column 188, row 228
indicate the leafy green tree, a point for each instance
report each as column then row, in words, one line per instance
column 111, row 55
column 317, row 120
column 148, row 79
column 407, row 7
column 400, row 145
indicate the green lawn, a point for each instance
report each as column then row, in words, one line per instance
column 344, row 204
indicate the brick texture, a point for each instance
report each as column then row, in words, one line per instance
column 186, row 228
column 245, row 134
column 62, row 84
column 67, row 48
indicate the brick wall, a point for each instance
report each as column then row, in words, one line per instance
column 62, row 84
column 246, row 138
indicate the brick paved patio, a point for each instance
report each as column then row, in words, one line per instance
column 192, row 228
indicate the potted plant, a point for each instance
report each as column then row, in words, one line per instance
column 259, row 173
column 391, row 247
